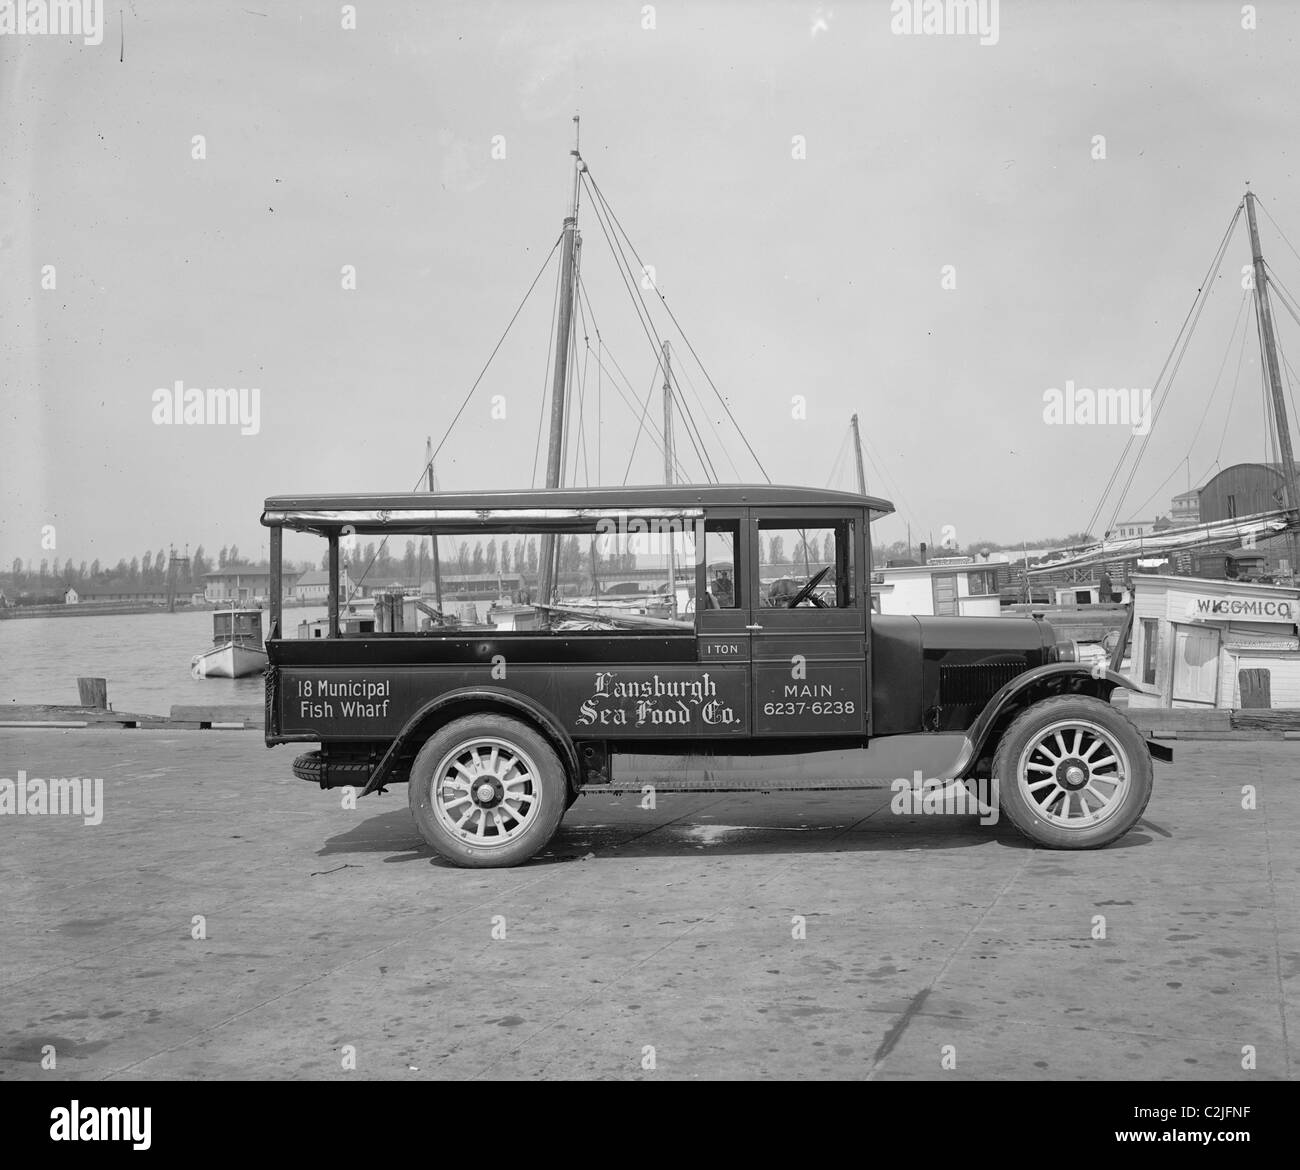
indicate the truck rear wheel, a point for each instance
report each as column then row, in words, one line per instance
column 1073, row 773
column 487, row 791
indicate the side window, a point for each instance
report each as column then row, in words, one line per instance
column 721, row 569
column 806, row 567
column 1148, row 650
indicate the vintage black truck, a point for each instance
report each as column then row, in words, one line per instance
column 766, row 669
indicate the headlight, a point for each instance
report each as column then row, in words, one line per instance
column 1065, row 652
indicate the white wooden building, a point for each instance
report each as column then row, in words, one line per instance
column 968, row 589
column 1205, row 643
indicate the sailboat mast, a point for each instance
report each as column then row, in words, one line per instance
column 668, row 472
column 563, row 337
column 668, row 416
column 857, row 454
column 1292, row 501
column 433, row 539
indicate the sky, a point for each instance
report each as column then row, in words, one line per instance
column 925, row 230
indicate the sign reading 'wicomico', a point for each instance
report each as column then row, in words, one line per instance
column 1251, row 609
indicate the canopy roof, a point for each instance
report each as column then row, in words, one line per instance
column 543, row 509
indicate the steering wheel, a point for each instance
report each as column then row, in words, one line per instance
column 806, row 592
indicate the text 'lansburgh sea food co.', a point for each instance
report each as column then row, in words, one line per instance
column 359, row 699
column 639, row 701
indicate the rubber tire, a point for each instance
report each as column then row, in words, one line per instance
column 308, row 767
column 1018, row 807
column 552, row 796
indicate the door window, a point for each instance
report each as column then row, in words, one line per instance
column 721, row 553
column 802, row 567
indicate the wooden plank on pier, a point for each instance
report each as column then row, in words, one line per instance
column 246, row 717
column 1275, row 720
column 249, row 714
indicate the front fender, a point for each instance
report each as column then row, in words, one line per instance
column 489, row 698
column 1056, row 678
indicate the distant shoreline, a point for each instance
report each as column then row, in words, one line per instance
column 110, row 608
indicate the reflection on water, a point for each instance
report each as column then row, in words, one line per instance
column 144, row 656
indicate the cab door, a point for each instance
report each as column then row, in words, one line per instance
column 808, row 602
column 723, row 614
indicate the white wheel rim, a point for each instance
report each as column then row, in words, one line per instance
column 1073, row 774
column 486, row 792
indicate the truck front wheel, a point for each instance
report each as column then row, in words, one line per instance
column 487, row 791
column 1073, row 773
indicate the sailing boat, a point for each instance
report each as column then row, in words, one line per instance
column 1237, row 529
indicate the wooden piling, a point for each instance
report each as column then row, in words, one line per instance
column 93, row 693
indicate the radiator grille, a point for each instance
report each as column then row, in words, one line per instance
column 974, row 683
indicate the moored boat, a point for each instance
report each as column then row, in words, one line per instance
column 237, row 650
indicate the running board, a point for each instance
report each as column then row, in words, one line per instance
column 935, row 756
column 726, row 784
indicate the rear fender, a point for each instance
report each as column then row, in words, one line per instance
column 451, row 705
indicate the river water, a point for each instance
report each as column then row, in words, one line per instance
column 144, row 656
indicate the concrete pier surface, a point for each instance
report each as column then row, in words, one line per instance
column 736, row 936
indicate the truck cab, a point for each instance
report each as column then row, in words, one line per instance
column 763, row 667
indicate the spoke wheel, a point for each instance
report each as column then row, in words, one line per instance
column 487, row 790
column 1073, row 773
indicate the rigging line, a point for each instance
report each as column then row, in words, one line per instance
column 570, row 369
column 641, row 425
column 1269, row 441
column 624, row 269
column 1164, row 399
column 1187, row 459
column 1241, row 310
column 629, row 398
column 1198, row 307
column 580, row 446
column 1287, row 373
column 570, row 373
column 600, row 195
column 845, row 455
column 628, row 395
column 1214, row 264
column 1295, row 317
column 424, row 470
column 546, row 379
column 1290, row 374
column 839, row 456
column 1177, row 468
column 1236, row 381
column 702, row 450
column 1285, row 299
column 888, row 480
column 1286, row 376
column 582, row 391
column 684, row 409
column 652, row 429
column 1185, row 337
column 879, row 464
column 708, row 419
column 1260, row 204
column 682, row 333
